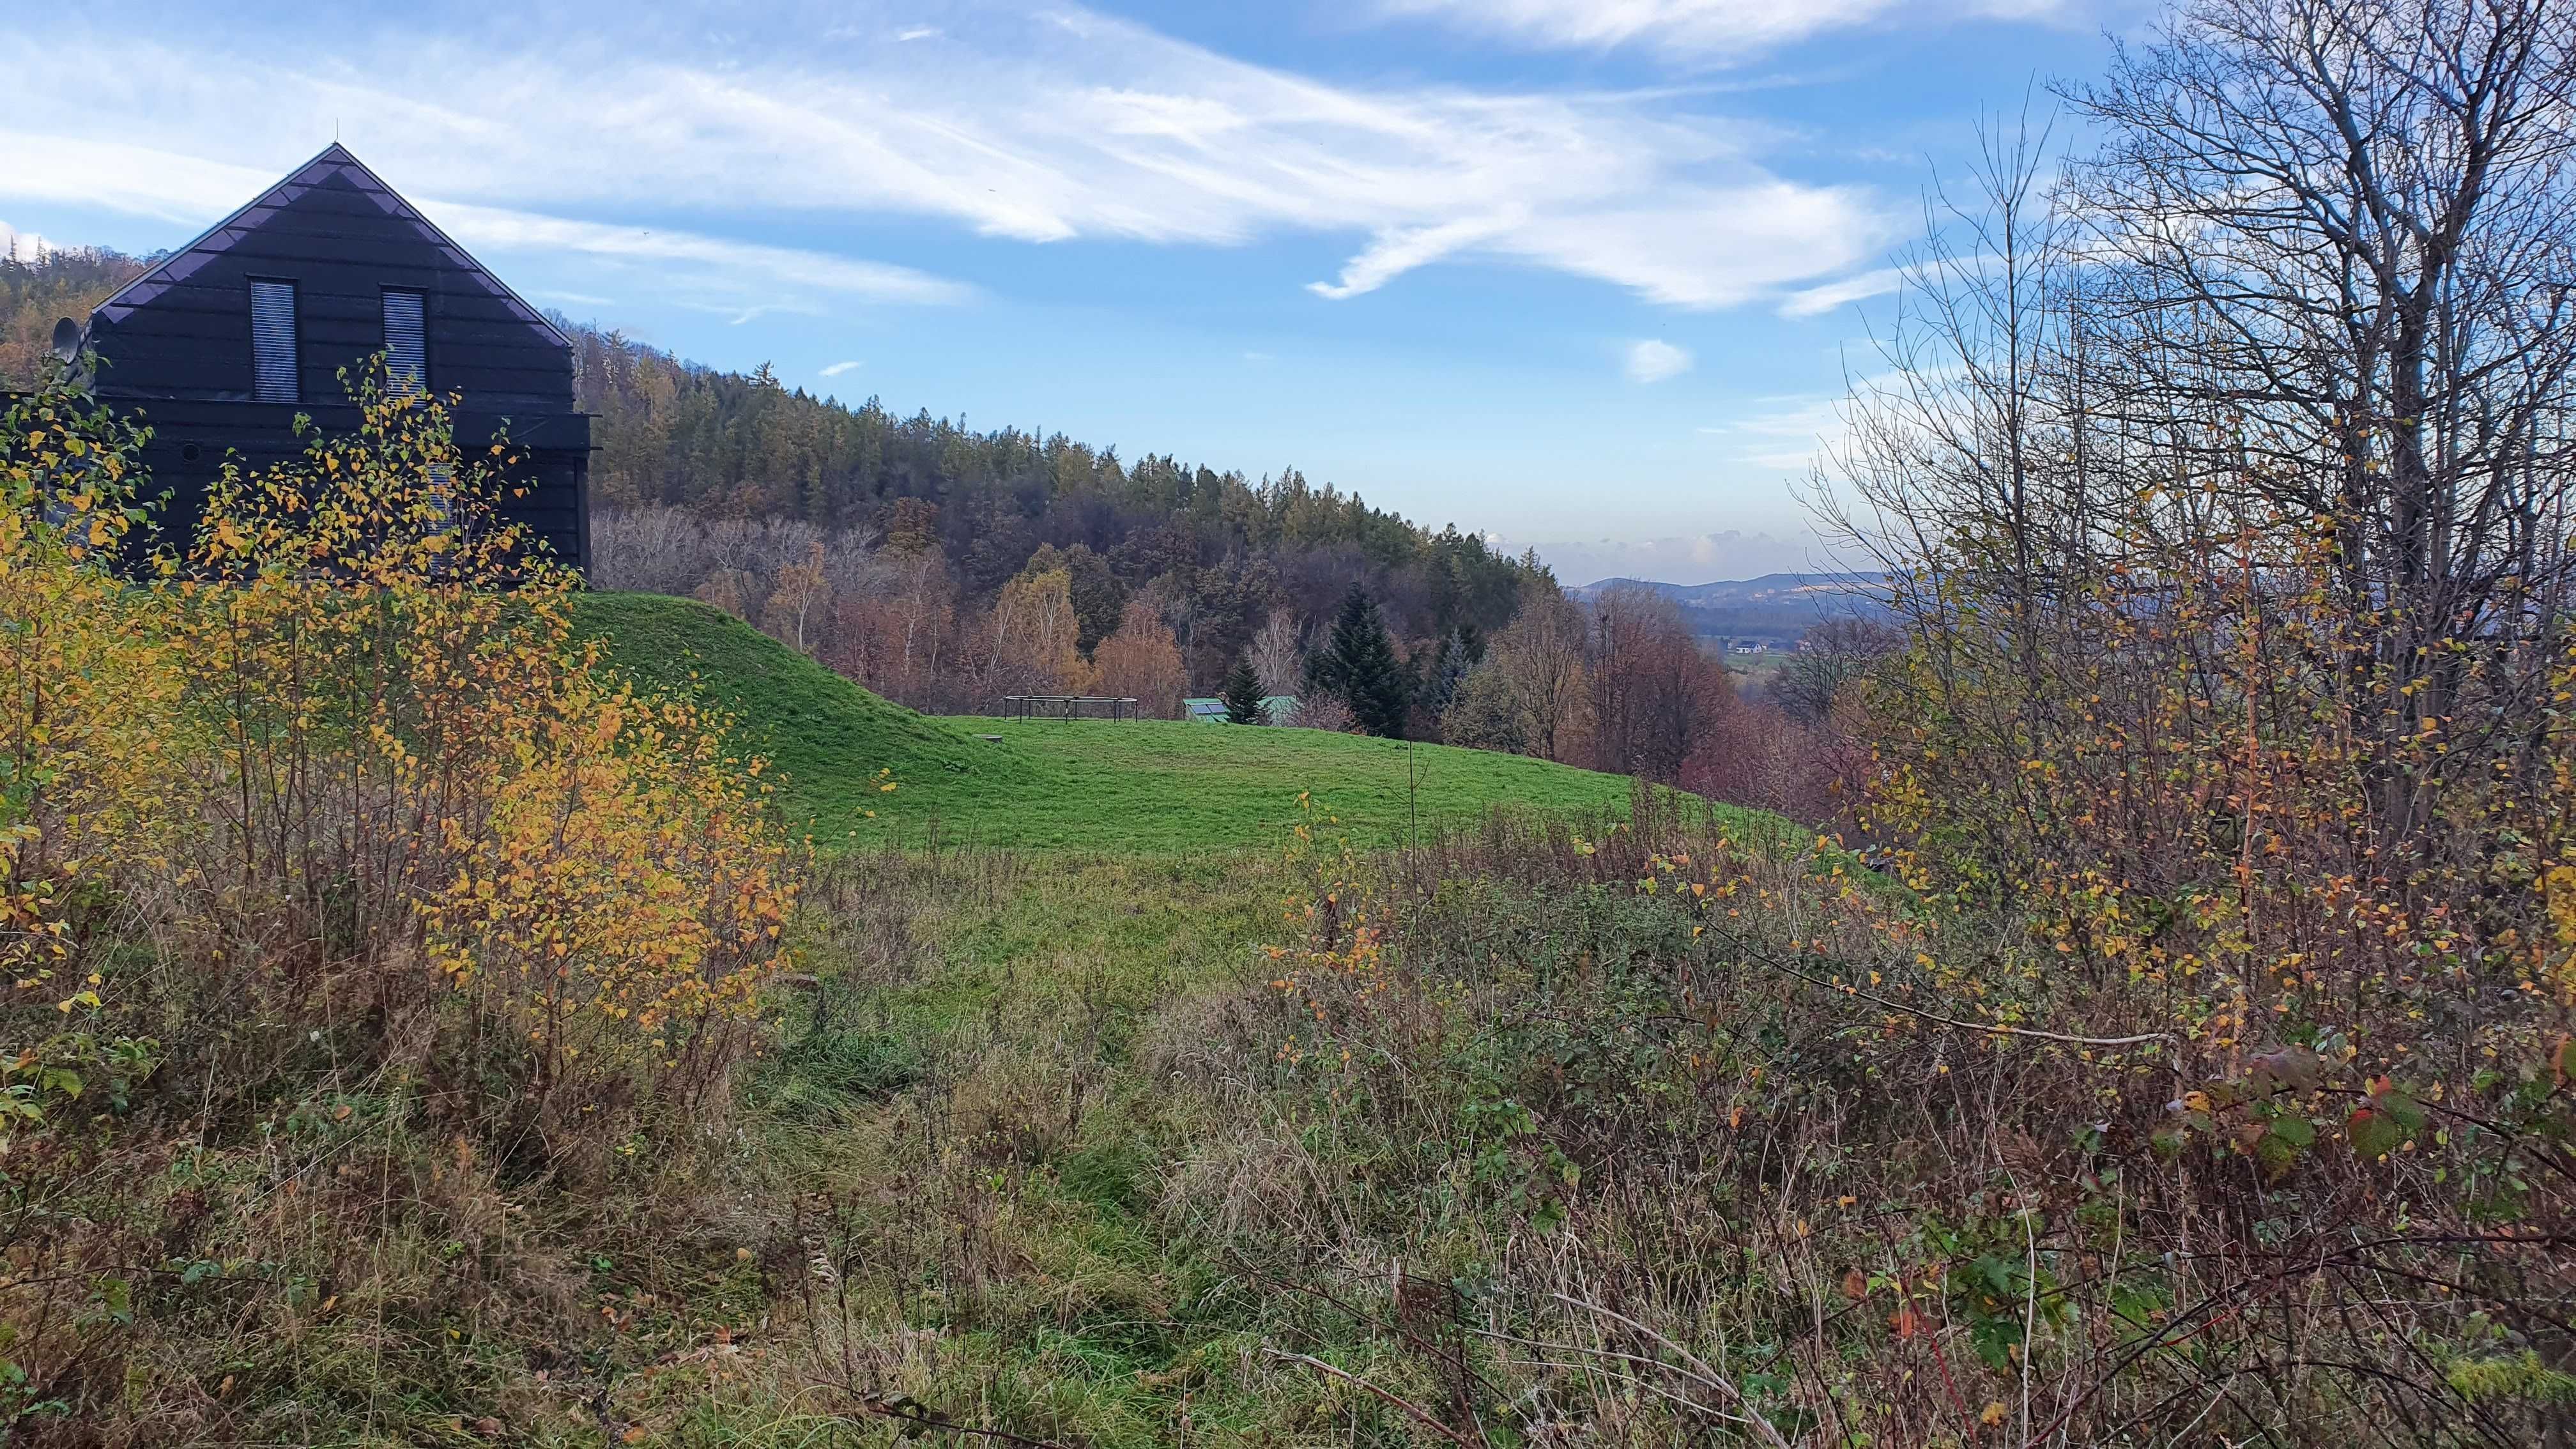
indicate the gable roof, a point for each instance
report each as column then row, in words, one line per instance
column 335, row 163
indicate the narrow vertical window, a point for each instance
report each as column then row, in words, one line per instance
column 272, row 341
column 407, row 376
column 406, row 343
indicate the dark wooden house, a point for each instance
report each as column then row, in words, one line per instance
column 221, row 345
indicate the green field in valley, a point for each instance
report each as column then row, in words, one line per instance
column 1143, row 785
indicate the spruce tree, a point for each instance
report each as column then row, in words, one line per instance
column 1459, row 652
column 1358, row 663
column 1242, row 694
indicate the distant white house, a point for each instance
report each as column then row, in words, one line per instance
column 1212, row 711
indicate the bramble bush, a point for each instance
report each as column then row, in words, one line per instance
column 322, row 838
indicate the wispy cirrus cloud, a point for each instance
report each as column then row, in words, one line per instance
column 1707, row 27
column 1704, row 30
column 1816, row 301
column 837, row 368
column 504, row 229
column 153, row 180
column 1786, row 435
column 1401, row 249
column 1061, row 125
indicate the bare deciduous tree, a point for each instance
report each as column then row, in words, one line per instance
column 1142, row 662
column 1831, row 656
column 1278, row 657
column 2339, row 257
column 1541, row 654
column 1653, row 690
column 736, row 563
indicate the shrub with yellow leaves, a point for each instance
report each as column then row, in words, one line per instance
column 322, row 823
column 421, row 770
column 86, row 740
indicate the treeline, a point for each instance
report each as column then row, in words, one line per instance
column 1624, row 682
column 946, row 567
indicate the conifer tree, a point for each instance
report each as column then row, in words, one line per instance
column 1458, row 653
column 1358, row 664
column 1242, row 694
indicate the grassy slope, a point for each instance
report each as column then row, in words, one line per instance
column 826, row 735
column 1141, row 786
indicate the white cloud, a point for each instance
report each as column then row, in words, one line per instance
column 1783, row 434
column 1696, row 26
column 1399, row 251
column 133, row 177
column 736, row 315
column 1695, row 29
column 1816, row 301
column 1048, row 127
column 481, row 228
column 1653, row 361
column 837, row 368
column 152, row 181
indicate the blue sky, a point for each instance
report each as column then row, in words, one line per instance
column 1586, row 276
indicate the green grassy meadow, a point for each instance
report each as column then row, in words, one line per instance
column 1160, row 785
column 1040, row 1099
column 1152, row 786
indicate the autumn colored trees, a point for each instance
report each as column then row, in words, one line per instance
column 767, row 471
column 1655, row 692
column 1031, row 647
column 889, row 611
column 1530, row 694
column 2230, row 545
column 1142, row 662
column 896, row 611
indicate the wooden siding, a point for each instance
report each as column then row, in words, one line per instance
column 342, row 237
column 175, row 345
column 556, row 474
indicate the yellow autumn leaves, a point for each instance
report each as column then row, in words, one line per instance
column 347, row 723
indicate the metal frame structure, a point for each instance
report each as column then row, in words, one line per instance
column 1064, row 706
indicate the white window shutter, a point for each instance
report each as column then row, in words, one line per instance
column 406, row 343
column 272, row 341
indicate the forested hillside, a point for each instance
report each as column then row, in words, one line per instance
column 945, row 566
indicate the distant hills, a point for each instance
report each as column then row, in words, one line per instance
column 1776, row 609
